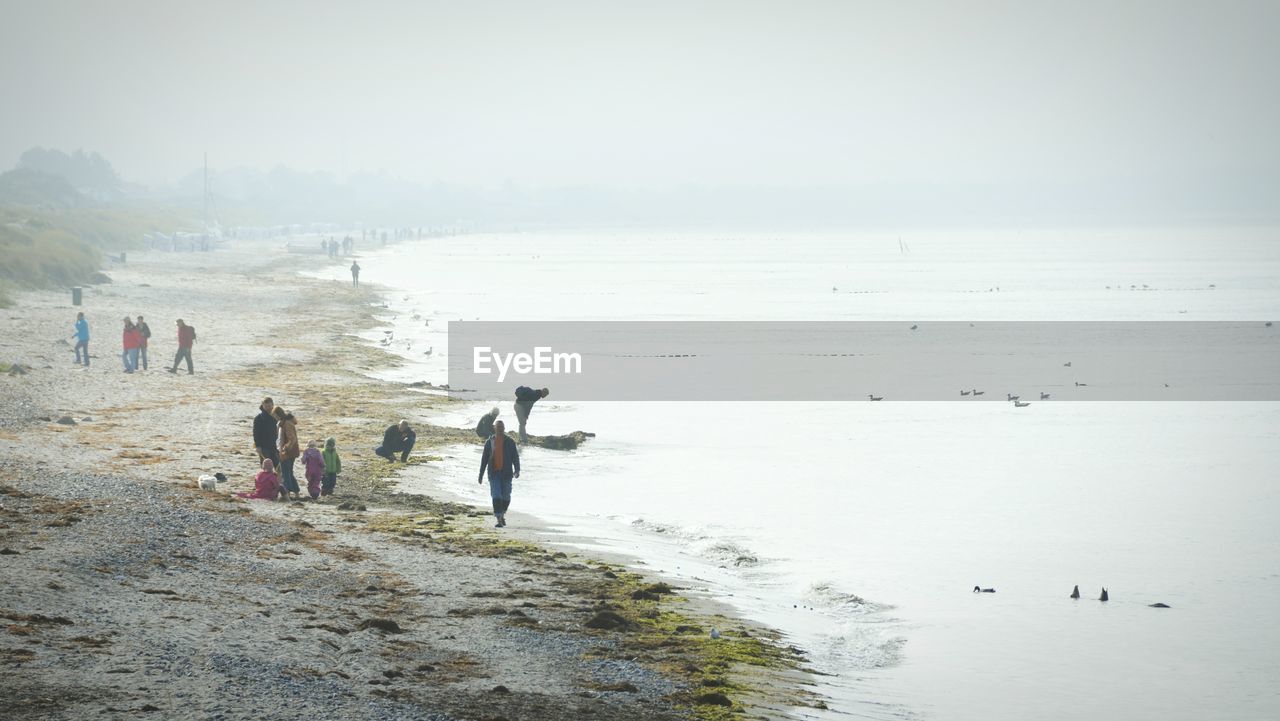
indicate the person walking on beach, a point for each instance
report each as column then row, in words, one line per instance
column 186, row 338
column 313, row 462
column 398, row 438
column 287, row 443
column 265, row 432
column 82, row 338
column 525, row 398
column 332, row 466
column 130, row 340
column 355, row 274
column 266, row 485
column 145, row 332
column 502, row 461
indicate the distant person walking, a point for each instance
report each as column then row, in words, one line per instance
column 398, row 438
column 525, row 398
column 355, row 274
column 145, row 331
column 501, row 459
column 130, row 340
column 287, row 443
column 82, row 338
column 265, row 432
column 186, row 339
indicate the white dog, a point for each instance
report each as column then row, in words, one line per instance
column 207, row 483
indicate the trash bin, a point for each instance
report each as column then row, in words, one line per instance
column 76, row 294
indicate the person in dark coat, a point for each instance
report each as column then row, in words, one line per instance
column 399, row 438
column 525, row 398
column 501, row 459
column 264, row 433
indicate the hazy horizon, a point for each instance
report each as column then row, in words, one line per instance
column 1158, row 104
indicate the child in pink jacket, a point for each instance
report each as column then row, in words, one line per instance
column 314, row 462
column 266, row 483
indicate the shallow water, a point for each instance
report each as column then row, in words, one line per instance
column 860, row 529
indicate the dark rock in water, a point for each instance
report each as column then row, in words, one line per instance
column 1160, row 605
column 713, row 699
column 385, row 625
column 561, row 443
column 67, row 421
column 500, row 689
column 689, row 629
column 608, row 621
column 642, row 595
column 349, row 506
column 86, row 419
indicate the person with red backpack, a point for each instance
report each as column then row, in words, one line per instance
column 186, row 338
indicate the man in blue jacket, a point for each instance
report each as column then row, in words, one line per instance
column 502, row 460
column 82, row 338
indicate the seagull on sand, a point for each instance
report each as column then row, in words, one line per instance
column 875, row 398
column 715, row 635
column 1044, row 396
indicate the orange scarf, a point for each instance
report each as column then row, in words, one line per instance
column 499, row 445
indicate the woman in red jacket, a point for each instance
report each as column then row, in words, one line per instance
column 132, row 341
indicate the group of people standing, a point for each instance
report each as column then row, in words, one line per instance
column 275, row 438
column 330, row 246
column 135, row 340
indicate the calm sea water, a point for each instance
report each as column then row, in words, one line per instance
column 860, row 529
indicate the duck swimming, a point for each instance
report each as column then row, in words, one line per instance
column 980, row 589
column 1075, row 592
column 1159, row 605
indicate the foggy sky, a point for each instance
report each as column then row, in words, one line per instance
column 651, row 94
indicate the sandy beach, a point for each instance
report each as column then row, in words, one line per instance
column 128, row 589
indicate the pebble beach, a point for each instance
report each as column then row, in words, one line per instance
column 127, row 590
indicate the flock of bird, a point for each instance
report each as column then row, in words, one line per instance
column 1075, row 593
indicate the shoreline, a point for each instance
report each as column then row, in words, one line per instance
column 268, row 332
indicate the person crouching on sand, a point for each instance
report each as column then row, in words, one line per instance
column 502, row 461
column 314, row 464
column 266, row 485
column 332, row 466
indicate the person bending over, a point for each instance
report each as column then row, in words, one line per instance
column 525, row 398
column 399, row 438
